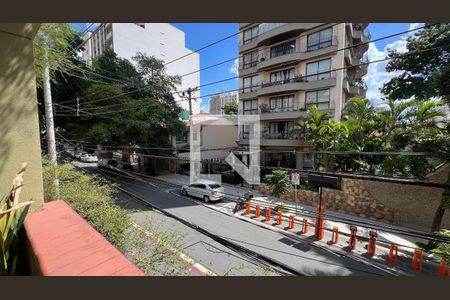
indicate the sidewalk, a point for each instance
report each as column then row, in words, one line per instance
column 406, row 244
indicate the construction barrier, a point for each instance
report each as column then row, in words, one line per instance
column 305, row 225
column 258, row 211
column 393, row 254
column 247, row 207
column 352, row 239
column 334, row 235
column 442, row 268
column 280, row 216
column 267, row 214
column 291, row 222
column 417, row 260
column 372, row 243
column 320, row 223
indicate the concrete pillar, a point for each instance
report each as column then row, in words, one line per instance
column 299, row 161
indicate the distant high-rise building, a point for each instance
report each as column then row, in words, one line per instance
column 160, row 40
column 217, row 102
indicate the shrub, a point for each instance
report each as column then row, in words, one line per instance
column 12, row 215
column 91, row 197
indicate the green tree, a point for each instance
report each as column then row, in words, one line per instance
column 278, row 181
column 424, row 74
column 140, row 110
column 53, row 46
column 230, row 108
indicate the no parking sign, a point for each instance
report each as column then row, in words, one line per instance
column 295, row 178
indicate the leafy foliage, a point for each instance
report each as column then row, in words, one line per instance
column 231, row 108
column 135, row 106
column 151, row 247
column 12, row 215
column 425, row 74
column 52, row 46
column 393, row 126
column 278, row 181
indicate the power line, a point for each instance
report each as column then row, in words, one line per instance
column 303, row 77
column 345, row 48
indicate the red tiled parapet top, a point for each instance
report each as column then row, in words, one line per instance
column 64, row 244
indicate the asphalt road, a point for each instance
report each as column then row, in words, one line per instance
column 304, row 258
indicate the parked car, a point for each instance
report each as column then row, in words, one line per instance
column 107, row 163
column 204, row 189
column 88, row 158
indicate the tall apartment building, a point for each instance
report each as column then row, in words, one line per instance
column 285, row 68
column 160, row 40
column 218, row 102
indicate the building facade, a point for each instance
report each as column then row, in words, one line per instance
column 218, row 102
column 285, row 68
column 160, row 40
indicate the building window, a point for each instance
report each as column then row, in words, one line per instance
column 282, row 103
column 318, row 70
column 321, row 39
column 283, row 49
column 250, row 35
column 250, row 107
column 321, row 98
column 250, row 84
column 282, row 75
column 250, row 59
column 280, row 130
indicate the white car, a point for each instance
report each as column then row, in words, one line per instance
column 88, row 158
column 206, row 190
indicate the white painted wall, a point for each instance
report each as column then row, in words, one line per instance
column 162, row 41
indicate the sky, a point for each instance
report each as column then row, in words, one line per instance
column 200, row 34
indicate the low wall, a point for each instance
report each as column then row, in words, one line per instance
column 399, row 204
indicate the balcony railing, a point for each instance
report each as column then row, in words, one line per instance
column 262, row 28
column 279, row 136
column 302, row 78
column 358, row 83
column 286, row 50
column 329, row 105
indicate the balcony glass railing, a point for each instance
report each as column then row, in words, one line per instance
column 286, row 49
column 302, row 78
column 325, row 105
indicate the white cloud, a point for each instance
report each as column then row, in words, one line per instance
column 377, row 74
column 235, row 67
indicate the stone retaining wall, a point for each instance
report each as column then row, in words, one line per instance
column 399, row 204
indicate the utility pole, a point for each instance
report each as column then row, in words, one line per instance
column 187, row 95
column 51, row 142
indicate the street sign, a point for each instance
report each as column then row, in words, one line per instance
column 295, row 178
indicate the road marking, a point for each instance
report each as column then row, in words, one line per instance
column 180, row 254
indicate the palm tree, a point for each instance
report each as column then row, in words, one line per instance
column 312, row 128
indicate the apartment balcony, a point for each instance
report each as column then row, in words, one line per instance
column 302, row 52
column 298, row 83
column 275, row 139
column 270, row 33
column 355, row 88
column 294, row 112
column 249, row 93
